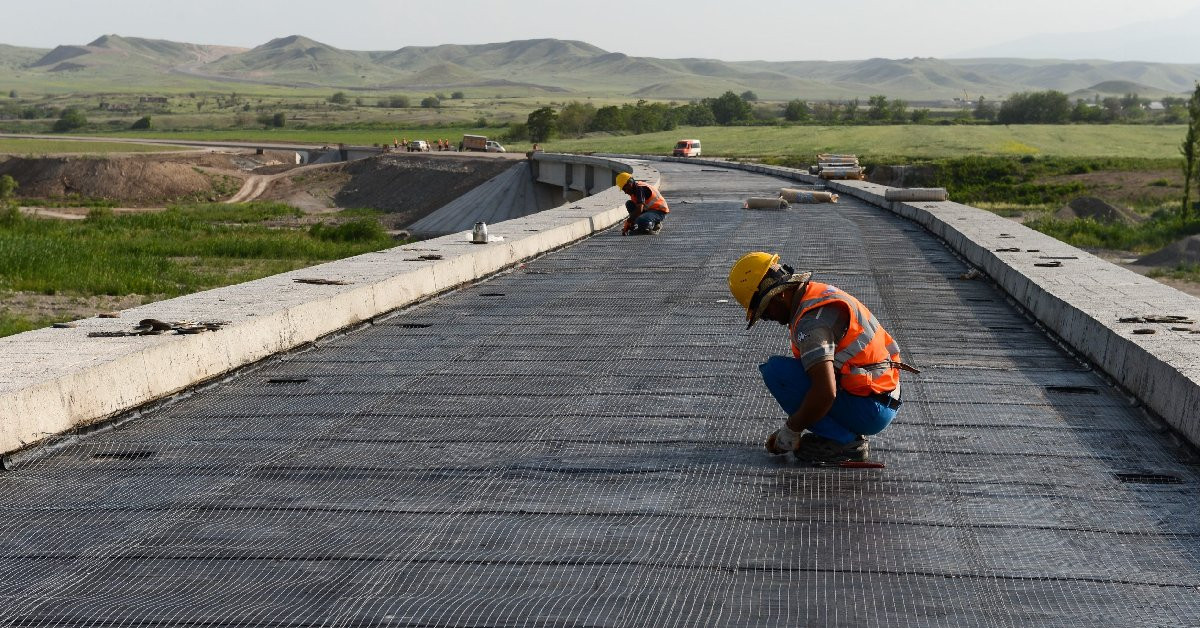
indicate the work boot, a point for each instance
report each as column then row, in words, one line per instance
column 815, row 448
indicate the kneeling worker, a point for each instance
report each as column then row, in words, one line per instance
column 647, row 207
column 843, row 383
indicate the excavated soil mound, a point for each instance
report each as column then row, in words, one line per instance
column 408, row 187
column 1098, row 210
column 1179, row 252
column 128, row 180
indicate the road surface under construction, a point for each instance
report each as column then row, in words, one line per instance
column 579, row 441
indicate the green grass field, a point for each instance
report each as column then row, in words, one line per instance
column 907, row 141
column 50, row 146
column 169, row 253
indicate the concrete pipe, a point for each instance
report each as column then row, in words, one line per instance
column 765, row 202
column 915, row 194
column 793, row 195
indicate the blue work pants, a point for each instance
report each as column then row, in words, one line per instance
column 850, row 416
column 647, row 218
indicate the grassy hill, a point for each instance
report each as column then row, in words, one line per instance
column 300, row 60
column 558, row 66
column 13, row 58
column 113, row 52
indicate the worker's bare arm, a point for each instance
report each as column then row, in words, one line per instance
column 819, row 399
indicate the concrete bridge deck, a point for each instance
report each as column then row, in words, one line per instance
column 579, row 442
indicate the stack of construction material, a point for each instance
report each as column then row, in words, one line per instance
column 832, row 166
column 793, row 195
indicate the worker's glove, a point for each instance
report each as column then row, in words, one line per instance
column 626, row 227
column 782, row 441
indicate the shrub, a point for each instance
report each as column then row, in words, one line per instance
column 394, row 102
column 542, row 124
column 8, row 185
column 796, row 111
column 728, row 108
column 517, row 132
column 339, row 98
column 10, row 215
column 358, row 230
column 275, row 120
column 431, row 102
column 1048, row 107
column 141, row 123
column 100, row 214
column 70, row 119
column 457, row 96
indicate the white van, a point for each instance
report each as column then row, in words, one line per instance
column 687, row 148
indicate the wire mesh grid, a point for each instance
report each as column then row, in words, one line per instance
column 579, row 442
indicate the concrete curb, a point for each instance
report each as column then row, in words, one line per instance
column 1082, row 299
column 56, row 380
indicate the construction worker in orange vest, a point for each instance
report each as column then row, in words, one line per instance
column 646, row 206
column 842, row 382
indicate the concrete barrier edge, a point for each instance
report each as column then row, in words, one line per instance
column 56, row 380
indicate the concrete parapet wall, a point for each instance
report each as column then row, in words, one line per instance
column 582, row 173
column 1082, row 299
column 55, row 380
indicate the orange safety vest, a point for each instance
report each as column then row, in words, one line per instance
column 866, row 356
column 656, row 201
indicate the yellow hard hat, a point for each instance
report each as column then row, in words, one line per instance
column 747, row 274
column 623, row 178
column 746, row 282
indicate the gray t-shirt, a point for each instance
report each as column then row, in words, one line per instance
column 817, row 333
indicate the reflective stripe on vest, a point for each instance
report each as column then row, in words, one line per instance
column 656, row 202
column 863, row 354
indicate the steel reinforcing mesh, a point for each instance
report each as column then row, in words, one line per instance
column 579, row 442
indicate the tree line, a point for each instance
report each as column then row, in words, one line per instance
column 577, row 118
column 1047, row 107
column 1054, row 107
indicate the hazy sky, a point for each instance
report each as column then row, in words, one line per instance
column 776, row 30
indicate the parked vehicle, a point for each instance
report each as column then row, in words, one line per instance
column 474, row 142
column 687, row 148
column 482, row 144
column 420, row 146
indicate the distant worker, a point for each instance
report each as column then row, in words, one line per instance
column 842, row 382
column 646, row 206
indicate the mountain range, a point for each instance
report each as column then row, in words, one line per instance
column 574, row 68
